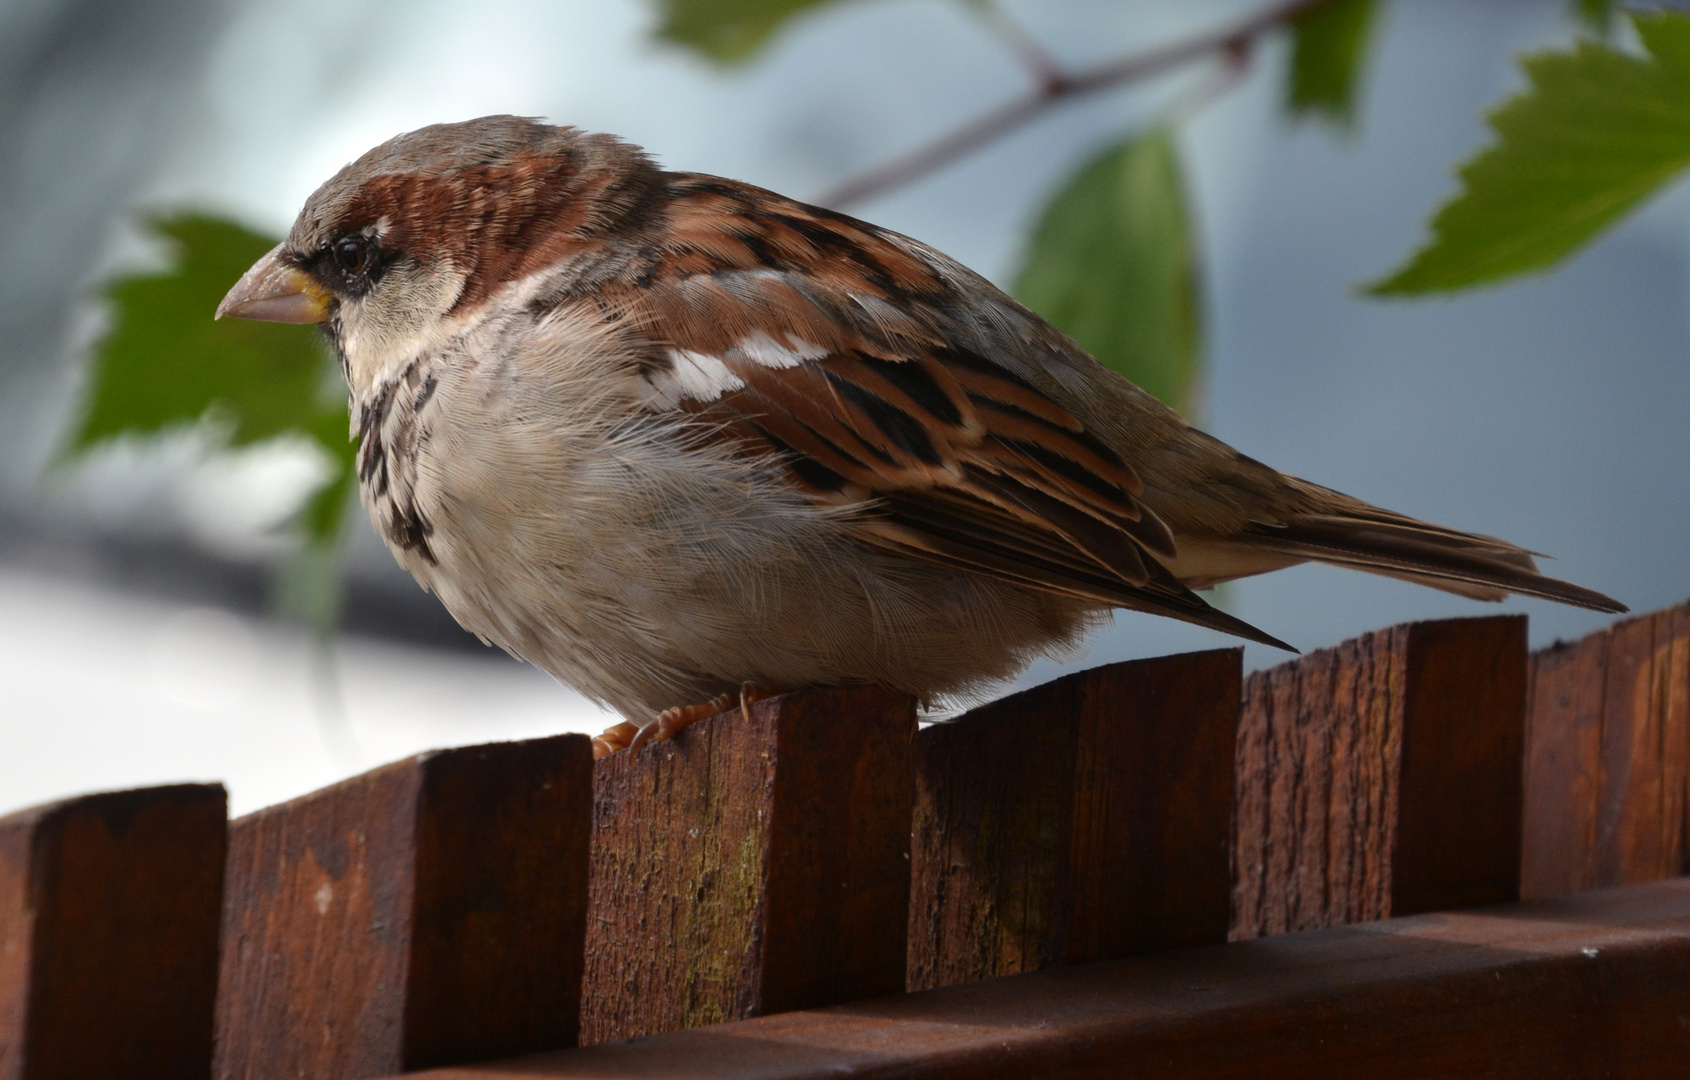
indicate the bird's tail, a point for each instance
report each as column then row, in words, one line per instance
column 1378, row 541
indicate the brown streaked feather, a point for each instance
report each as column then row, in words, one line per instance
column 496, row 209
column 1482, row 567
column 953, row 457
column 957, row 541
column 981, row 436
column 1104, row 541
column 1058, row 487
column 809, row 413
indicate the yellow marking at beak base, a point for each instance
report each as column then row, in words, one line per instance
column 275, row 290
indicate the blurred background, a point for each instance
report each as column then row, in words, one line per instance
column 136, row 644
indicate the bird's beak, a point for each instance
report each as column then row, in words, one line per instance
column 274, row 291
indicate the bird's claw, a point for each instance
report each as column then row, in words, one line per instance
column 751, row 693
column 612, row 739
column 671, row 722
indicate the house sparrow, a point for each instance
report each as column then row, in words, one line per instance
column 668, row 436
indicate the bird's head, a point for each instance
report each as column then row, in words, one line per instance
column 409, row 244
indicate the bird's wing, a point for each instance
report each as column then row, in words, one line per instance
column 883, row 382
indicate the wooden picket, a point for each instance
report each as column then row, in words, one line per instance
column 757, row 864
column 1070, row 823
column 1382, row 778
column 428, row 912
column 108, row 934
column 1608, row 758
column 759, row 894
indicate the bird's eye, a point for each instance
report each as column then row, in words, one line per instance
column 352, row 254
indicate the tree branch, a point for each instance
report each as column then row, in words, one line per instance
column 1041, row 66
column 1056, row 87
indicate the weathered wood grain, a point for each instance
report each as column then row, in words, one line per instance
column 1608, row 758
column 1085, row 819
column 1381, row 777
column 1579, row 986
column 427, row 912
column 751, row 865
column 108, row 935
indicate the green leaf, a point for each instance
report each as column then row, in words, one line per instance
column 1113, row 264
column 1597, row 15
column 727, row 31
column 1596, row 133
column 324, row 514
column 1329, row 48
column 164, row 362
column 307, row 586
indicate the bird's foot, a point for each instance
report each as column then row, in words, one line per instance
column 612, row 739
column 670, row 722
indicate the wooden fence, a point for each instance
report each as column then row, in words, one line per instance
column 767, row 895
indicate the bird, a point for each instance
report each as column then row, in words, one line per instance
column 677, row 439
